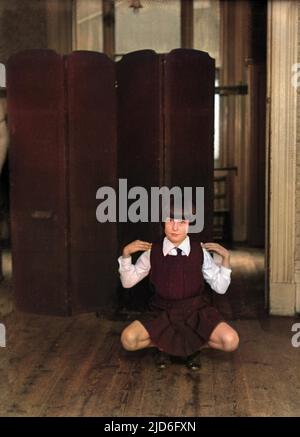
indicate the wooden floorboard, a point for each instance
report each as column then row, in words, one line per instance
column 80, row 369
column 54, row 366
column 245, row 298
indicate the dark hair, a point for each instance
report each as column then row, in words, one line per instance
column 182, row 212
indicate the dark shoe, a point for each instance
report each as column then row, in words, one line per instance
column 193, row 361
column 162, row 360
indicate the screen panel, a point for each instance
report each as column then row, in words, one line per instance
column 140, row 140
column 92, row 163
column 189, row 125
column 36, row 112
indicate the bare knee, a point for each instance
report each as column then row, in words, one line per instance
column 230, row 341
column 129, row 340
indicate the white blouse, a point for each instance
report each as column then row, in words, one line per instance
column 216, row 275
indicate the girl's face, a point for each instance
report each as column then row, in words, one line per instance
column 176, row 230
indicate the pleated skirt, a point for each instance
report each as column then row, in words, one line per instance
column 181, row 327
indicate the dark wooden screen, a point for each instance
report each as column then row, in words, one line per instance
column 39, row 221
column 140, row 149
column 189, row 125
column 92, row 136
column 165, row 128
column 79, row 123
column 140, row 140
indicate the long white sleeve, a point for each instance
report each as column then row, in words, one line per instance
column 218, row 277
column 131, row 274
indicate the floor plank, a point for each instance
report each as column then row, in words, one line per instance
column 55, row 366
column 80, row 369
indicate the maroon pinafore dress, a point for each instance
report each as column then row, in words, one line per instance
column 182, row 320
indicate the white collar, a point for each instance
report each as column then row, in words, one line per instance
column 170, row 249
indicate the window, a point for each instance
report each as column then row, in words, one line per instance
column 88, row 25
column 207, row 27
column 155, row 26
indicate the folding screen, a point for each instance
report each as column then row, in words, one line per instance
column 140, row 149
column 189, row 126
column 140, row 127
column 39, row 219
column 166, row 119
column 165, row 135
column 67, row 115
column 92, row 136
column 62, row 116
